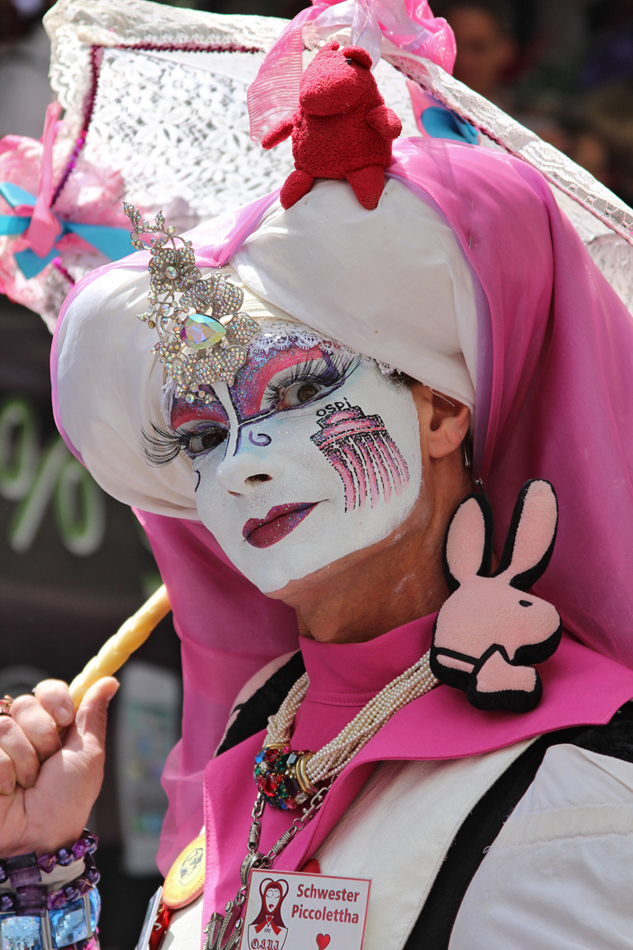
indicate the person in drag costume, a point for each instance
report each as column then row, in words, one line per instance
column 375, row 367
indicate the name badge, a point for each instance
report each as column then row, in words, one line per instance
column 294, row 911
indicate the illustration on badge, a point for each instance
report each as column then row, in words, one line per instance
column 190, row 866
column 268, row 931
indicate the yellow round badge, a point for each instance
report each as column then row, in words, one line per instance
column 185, row 880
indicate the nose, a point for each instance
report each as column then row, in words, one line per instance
column 248, row 469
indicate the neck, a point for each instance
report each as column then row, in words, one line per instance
column 394, row 590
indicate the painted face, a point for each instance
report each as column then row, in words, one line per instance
column 305, row 459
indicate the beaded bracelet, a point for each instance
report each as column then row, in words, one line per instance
column 71, row 927
column 86, row 844
column 32, row 916
column 55, row 899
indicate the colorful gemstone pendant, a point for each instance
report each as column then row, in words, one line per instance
column 200, row 331
column 280, row 776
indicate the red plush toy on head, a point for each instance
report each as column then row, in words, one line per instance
column 343, row 128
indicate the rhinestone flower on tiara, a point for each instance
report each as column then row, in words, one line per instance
column 202, row 335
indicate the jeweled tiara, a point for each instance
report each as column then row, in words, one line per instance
column 202, row 334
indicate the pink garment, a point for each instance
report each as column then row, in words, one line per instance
column 440, row 725
column 219, row 654
column 554, row 401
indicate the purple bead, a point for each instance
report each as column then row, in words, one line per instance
column 80, row 848
column 6, row 903
column 65, row 857
column 23, row 870
column 3, row 872
column 46, row 863
column 71, row 893
column 83, row 886
column 56, row 900
column 30, row 900
column 93, row 875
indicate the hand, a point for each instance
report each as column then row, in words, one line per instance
column 50, row 780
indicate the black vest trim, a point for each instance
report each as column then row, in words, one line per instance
column 253, row 714
column 433, row 928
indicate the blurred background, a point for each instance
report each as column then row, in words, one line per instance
column 73, row 562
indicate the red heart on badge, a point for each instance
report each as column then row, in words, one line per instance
column 323, row 941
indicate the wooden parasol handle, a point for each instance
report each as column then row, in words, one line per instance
column 125, row 641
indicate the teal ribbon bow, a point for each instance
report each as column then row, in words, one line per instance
column 111, row 241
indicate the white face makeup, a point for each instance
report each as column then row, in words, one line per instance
column 305, row 459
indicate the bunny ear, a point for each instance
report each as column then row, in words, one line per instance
column 468, row 545
column 532, row 534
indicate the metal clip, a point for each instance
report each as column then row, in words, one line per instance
column 254, row 859
column 223, row 933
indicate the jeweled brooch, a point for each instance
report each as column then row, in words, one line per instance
column 280, row 776
column 202, row 333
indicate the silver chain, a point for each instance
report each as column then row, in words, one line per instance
column 223, row 931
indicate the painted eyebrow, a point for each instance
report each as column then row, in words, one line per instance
column 197, row 412
column 337, row 363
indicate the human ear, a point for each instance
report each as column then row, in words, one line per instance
column 447, row 420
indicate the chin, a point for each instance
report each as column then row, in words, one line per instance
column 278, row 578
column 292, row 590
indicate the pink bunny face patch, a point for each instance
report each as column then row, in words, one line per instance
column 489, row 630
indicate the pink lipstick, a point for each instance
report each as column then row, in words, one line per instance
column 280, row 521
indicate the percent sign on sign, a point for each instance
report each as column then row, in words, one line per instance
column 37, row 478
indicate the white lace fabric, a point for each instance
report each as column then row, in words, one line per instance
column 160, row 95
column 281, row 335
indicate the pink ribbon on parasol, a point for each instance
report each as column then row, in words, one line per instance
column 408, row 24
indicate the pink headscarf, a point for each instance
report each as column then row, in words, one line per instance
column 554, row 400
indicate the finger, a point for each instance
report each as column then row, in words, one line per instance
column 14, row 743
column 39, row 728
column 54, row 697
column 90, row 720
column 7, row 775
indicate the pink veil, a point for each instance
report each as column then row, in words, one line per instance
column 554, row 400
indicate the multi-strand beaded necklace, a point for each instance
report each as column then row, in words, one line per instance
column 287, row 779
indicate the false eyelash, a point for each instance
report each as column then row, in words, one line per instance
column 163, row 446
column 314, row 370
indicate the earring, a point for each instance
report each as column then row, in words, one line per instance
column 468, row 464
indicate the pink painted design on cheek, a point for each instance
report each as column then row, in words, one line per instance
column 364, row 454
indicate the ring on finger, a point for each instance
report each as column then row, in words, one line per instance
column 5, row 705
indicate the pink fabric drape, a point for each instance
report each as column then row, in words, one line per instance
column 222, row 647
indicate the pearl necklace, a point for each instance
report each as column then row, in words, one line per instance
column 288, row 778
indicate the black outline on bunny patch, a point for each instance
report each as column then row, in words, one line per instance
column 528, row 578
column 525, row 655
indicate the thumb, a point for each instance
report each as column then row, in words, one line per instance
column 89, row 729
